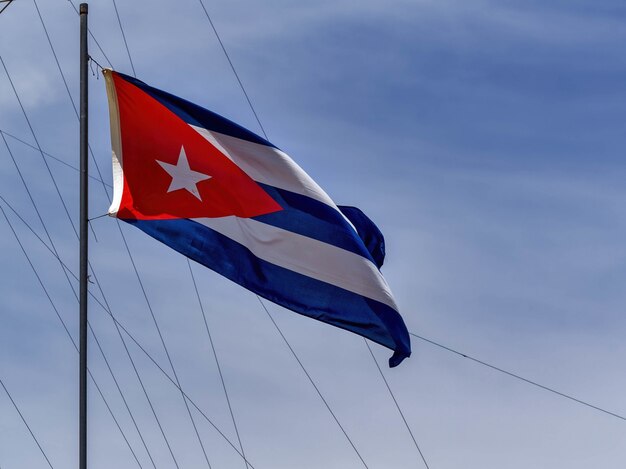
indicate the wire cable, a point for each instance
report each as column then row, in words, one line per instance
column 32, row 266
column 56, row 59
column 521, row 378
column 92, row 36
column 119, row 21
column 143, row 290
column 123, row 329
column 91, row 268
column 64, row 205
column 141, row 383
column 219, row 368
column 102, row 293
column 143, row 387
column 119, row 389
column 37, row 143
column 171, row 380
column 319, row 393
column 26, row 423
column 432, row 342
column 6, row 4
column 167, row 353
column 139, row 278
column 67, row 88
column 528, row 381
column 71, row 222
column 104, row 185
column 256, row 116
column 232, row 67
column 48, row 155
column 32, row 200
column 406, row 424
column 59, row 259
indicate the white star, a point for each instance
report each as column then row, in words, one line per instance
column 183, row 177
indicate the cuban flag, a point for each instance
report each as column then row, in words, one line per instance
column 234, row 202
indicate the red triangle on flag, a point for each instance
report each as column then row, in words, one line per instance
column 171, row 171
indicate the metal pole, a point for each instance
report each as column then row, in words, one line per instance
column 84, row 214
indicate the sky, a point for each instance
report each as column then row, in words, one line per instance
column 485, row 138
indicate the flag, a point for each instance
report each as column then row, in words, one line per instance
column 232, row 201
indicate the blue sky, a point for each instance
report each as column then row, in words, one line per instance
column 486, row 140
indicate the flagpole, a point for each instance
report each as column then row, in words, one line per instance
column 84, row 214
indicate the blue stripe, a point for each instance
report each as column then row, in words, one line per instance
column 310, row 297
column 197, row 115
column 314, row 219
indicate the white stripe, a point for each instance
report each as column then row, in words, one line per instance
column 268, row 165
column 306, row 256
column 116, row 142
